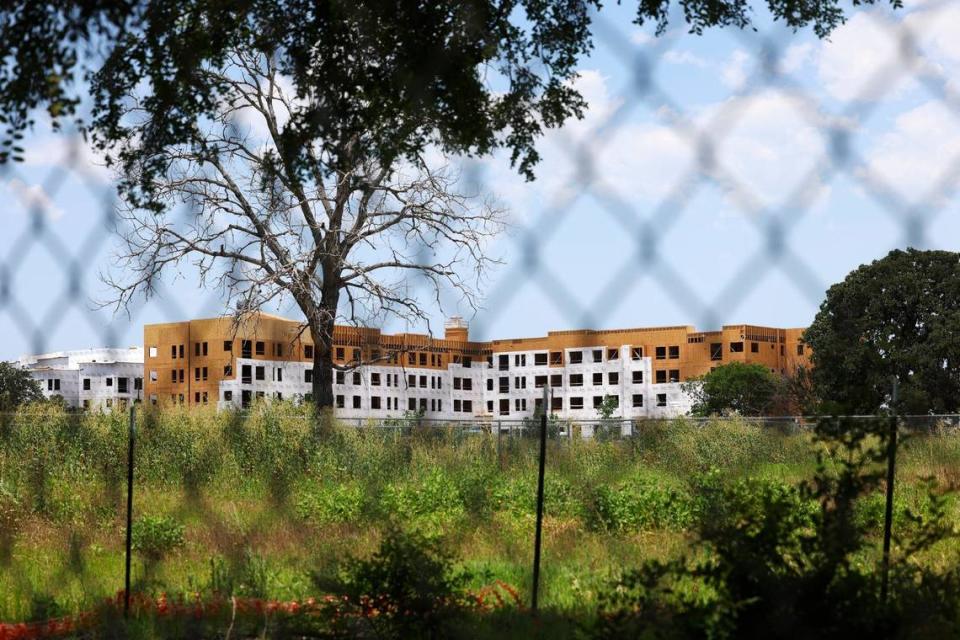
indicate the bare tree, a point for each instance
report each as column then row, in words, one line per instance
column 346, row 238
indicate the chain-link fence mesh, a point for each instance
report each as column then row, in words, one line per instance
column 60, row 211
column 60, row 219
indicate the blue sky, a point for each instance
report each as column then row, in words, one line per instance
column 627, row 225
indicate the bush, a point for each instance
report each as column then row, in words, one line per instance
column 794, row 561
column 155, row 537
column 476, row 485
column 330, row 504
column 11, row 521
column 66, row 505
column 430, row 503
column 413, row 583
column 280, row 443
column 639, row 507
column 38, row 440
column 519, row 496
column 245, row 575
column 106, row 448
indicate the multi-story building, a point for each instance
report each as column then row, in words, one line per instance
column 91, row 378
column 377, row 375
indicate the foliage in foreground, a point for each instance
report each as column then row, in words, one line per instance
column 270, row 509
column 409, row 588
column 794, row 561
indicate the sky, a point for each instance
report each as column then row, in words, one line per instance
column 716, row 179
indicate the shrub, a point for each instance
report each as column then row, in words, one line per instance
column 106, row 450
column 66, row 502
column 180, row 445
column 201, row 452
column 870, row 510
column 155, row 537
column 330, row 504
column 793, row 561
column 476, row 484
column 662, row 600
column 245, row 575
column 519, row 495
column 639, row 507
column 686, row 447
column 44, row 606
column 413, row 583
column 11, row 521
column 280, row 439
column 37, row 438
column 431, row 502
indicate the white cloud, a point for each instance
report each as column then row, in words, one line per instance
column 771, row 149
column 936, row 27
column 638, row 160
column 796, row 57
column 913, row 156
column 595, row 89
column 684, row 57
column 641, row 37
column 734, row 71
column 32, row 198
column 859, row 53
column 70, row 152
column 773, row 146
column 777, row 141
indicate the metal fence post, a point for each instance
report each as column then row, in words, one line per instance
column 888, row 511
column 539, row 531
column 499, row 458
column 129, row 542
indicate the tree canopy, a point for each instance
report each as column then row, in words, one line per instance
column 468, row 76
column 17, row 387
column 895, row 317
column 736, row 387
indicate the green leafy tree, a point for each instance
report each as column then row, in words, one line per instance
column 608, row 407
column 407, row 73
column 17, row 387
column 895, row 317
column 737, row 387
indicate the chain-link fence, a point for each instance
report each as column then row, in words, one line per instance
column 598, row 225
column 649, row 221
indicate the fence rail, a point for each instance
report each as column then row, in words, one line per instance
column 569, row 427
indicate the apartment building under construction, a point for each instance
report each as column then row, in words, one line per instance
column 94, row 379
column 377, row 375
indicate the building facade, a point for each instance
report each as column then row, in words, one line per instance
column 378, row 376
column 91, row 378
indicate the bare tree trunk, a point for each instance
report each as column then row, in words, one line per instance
column 323, row 366
column 323, row 319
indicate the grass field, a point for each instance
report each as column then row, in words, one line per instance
column 263, row 506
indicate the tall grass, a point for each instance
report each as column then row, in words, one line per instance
column 268, row 500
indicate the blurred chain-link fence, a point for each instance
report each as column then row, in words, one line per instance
column 60, row 217
column 60, row 206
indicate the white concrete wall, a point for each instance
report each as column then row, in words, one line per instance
column 439, row 390
column 101, row 368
